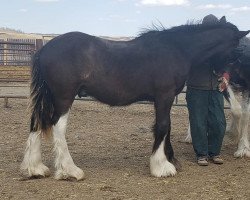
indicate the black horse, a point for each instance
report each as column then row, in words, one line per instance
column 153, row 66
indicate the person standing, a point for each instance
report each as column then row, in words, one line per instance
column 205, row 104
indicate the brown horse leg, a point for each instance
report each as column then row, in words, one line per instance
column 64, row 164
column 162, row 156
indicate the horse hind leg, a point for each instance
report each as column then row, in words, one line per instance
column 32, row 162
column 64, row 164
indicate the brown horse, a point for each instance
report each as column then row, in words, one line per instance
column 153, row 66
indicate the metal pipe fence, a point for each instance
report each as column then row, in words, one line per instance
column 88, row 98
column 18, row 52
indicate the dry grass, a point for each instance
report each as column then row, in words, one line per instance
column 14, row 73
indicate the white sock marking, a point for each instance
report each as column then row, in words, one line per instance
column 32, row 162
column 159, row 165
column 235, row 105
column 64, row 163
column 243, row 145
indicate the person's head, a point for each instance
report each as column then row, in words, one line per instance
column 210, row 19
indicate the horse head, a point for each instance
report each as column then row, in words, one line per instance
column 236, row 63
column 229, row 33
column 217, row 40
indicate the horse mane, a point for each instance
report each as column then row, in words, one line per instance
column 190, row 26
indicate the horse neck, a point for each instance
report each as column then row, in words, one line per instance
column 199, row 48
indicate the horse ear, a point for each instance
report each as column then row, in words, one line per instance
column 223, row 20
column 241, row 34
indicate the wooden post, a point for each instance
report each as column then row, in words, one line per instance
column 6, row 102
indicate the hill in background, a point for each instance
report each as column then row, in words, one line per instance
column 18, row 34
column 9, row 30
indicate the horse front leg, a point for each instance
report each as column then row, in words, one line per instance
column 162, row 161
column 243, row 144
column 65, row 166
column 233, row 127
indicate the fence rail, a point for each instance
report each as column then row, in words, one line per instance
column 6, row 97
column 14, row 74
column 18, row 52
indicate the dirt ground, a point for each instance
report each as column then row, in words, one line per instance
column 113, row 146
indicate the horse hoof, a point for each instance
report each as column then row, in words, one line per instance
column 73, row 172
column 161, row 168
column 39, row 171
column 242, row 153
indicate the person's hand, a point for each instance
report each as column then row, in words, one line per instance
column 224, row 80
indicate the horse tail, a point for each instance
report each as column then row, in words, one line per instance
column 41, row 100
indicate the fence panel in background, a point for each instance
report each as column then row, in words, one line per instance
column 18, row 52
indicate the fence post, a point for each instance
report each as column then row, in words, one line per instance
column 5, row 57
column 6, row 105
column 39, row 44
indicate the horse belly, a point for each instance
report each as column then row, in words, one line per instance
column 116, row 94
column 112, row 97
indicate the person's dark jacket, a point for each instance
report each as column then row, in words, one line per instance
column 203, row 77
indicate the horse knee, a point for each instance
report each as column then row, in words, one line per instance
column 161, row 129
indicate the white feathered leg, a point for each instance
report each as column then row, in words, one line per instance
column 64, row 163
column 32, row 162
column 243, row 144
column 159, row 164
column 233, row 127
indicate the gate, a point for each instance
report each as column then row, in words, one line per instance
column 18, row 52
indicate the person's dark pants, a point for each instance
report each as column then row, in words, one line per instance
column 207, row 121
